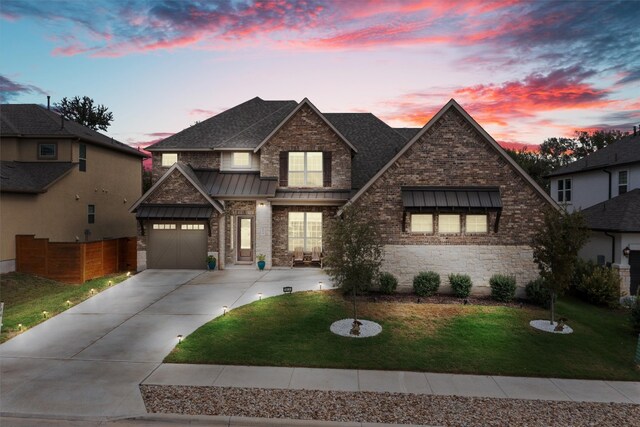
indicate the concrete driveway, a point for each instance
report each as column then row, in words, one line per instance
column 88, row 361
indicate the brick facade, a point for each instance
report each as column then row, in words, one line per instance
column 280, row 234
column 232, row 210
column 197, row 159
column 453, row 153
column 176, row 189
column 306, row 131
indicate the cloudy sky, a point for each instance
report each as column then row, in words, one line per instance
column 525, row 70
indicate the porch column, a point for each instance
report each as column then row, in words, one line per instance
column 624, row 272
column 263, row 230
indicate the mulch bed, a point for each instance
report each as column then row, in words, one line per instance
column 410, row 298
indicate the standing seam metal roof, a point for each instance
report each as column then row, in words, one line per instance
column 451, row 198
column 236, row 184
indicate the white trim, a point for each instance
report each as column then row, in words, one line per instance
column 180, row 167
column 295, row 110
column 451, row 104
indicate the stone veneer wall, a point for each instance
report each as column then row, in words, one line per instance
column 197, row 159
column 306, row 131
column 263, row 231
column 232, row 209
column 280, row 230
column 478, row 261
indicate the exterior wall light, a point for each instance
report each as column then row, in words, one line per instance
column 224, row 310
column 626, row 251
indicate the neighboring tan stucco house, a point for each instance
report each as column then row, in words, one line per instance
column 266, row 177
column 62, row 181
column 605, row 186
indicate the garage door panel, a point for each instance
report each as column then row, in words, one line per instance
column 177, row 248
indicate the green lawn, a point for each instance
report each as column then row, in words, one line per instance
column 293, row 330
column 25, row 298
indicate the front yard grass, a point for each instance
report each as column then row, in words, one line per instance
column 293, row 330
column 25, row 297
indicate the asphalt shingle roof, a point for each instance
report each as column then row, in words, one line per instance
column 243, row 126
column 31, row 120
column 407, row 133
column 375, row 141
column 622, row 152
column 31, row 177
column 621, row 214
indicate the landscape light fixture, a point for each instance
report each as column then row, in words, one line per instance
column 260, row 295
column 320, row 285
column 128, row 273
column 179, row 339
column 68, row 303
column 92, row 291
column 19, row 326
column 626, row 251
column 44, row 314
column 110, row 282
column 224, row 310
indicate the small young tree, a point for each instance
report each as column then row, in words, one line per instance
column 82, row 110
column 354, row 252
column 555, row 249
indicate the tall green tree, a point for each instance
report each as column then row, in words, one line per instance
column 83, row 111
column 533, row 164
column 555, row 250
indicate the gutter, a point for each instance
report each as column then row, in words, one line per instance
column 608, row 172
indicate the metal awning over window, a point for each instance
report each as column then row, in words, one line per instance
column 174, row 212
column 451, row 198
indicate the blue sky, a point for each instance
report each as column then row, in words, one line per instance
column 525, row 70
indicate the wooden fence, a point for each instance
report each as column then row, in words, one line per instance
column 75, row 262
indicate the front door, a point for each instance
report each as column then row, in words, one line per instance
column 245, row 238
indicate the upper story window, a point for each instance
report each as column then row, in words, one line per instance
column 168, row 159
column 422, row 223
column 305, row 169
column 564, row 190
column 48, row 151
column 449, row 223
column 83, row 158
column 623, row 181
column 241, row 160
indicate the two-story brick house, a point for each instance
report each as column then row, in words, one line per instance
column 62, row 181
column 605, row 186
column 267, row 177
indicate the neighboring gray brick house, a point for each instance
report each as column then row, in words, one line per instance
column 266, row 177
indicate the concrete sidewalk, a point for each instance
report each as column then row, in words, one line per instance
column 396, row 382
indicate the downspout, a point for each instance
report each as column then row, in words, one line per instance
column 613, row 246
column 608, row 173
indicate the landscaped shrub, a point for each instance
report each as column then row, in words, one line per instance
column 388, row 283
column 460, row 285
column 503, row 288
column 426, row 283
column 635, row 314
column 601, row 287
column 538, row 293
column 582, row 268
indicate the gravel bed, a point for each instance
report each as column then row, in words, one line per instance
column 546, row 326
column 398, row 408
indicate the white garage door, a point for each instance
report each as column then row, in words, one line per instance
column 177, row 245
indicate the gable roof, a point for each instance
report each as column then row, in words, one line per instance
column 622, row 152
column 621, row 214
column 292, row 113
column 243, row 126
column 376, row 142
column 407, row 133
column 191, row 177
column 449, row 105
column 31, row 120
column 31, row 177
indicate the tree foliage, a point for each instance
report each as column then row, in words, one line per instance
column 354, row 251
column 533, row 164
column 83, row 111
column 555, row 249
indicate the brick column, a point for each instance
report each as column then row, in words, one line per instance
column 263, row 230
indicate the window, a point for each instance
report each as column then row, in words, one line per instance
column 164, row 226
column 564, row 190
column 449, row 223
column 192, row 227
column 623, row 180
column 168, row 159
column 91, row 214
column 83, row 158
column 421, row 223
column 305, row 230
column 48, row 151
column 305, row 169
column 241, row 160
column 477, row 224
